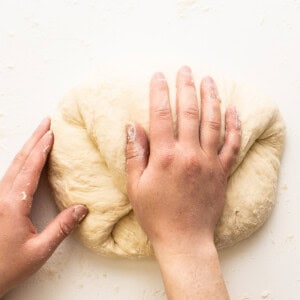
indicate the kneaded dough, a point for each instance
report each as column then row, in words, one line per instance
column 87, row 162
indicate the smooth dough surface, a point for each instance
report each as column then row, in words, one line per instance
column 87, row 162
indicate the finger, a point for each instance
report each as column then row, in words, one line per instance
column 19, row 160
column 47, row 241
column 187, row 108
column 137, row 152
column 27, row 180
column 160, row 127
column 232, row 141
column 210, row 116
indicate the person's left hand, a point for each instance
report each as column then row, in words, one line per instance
column 22, row 249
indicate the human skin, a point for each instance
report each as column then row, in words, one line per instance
column 22, row 249
column 177, row 183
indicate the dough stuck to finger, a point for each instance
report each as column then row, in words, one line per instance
column 87, row 162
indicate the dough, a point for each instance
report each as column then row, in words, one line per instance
column 87, row 162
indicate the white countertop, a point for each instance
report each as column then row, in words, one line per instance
column 47, row 47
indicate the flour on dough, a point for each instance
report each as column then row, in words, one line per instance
column 87, row 163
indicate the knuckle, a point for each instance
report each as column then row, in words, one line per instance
column 192, row 163
column 191, row 113
column 214, row 125
column 162, row 113
column 166, row 158
column 65, row 229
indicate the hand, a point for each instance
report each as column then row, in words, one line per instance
column 178, row 191
column 22, row 249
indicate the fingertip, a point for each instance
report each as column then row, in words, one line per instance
column 141, row 137
column 49, row 136
column 47, row 142
column 46, row 120
column 50, row 132
column 185, row 70
column 207, row 81
column 232, row 118
column 208, row 89
column 79, row 213
column 42, row 128
column 68, row 219
column 158, row 81
column 137, row 151
column 184, row 77
column 232, row 142
column 137, row 141
column 131, row 132
column 44, row 243
column 159, row 76
column 45, row 123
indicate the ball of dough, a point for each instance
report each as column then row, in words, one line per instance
column 87, row 162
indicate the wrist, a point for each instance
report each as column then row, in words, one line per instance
column 189, row 246
column 191, row 270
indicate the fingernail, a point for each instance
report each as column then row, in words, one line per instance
column 159, row 76
column 45, row 120
column 131, row 133
column 46, row 150
column 49, row 132
column 80, row 212
column 186, row 71
column 210, row 85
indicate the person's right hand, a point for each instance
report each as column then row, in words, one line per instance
column 178, row 191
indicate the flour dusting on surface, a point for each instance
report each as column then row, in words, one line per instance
column 265, row 295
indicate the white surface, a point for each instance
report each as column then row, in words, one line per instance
column 46, row 47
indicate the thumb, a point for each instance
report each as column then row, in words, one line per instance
column 64, row 223
column 137, row 151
